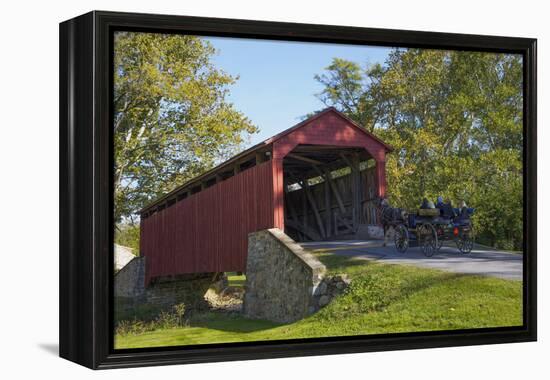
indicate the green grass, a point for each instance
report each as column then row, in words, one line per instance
column 235, row 280
column 382, row 298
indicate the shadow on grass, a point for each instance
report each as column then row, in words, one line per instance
column 421, row 284
column 340, row 263
column 231, row 323
column 144, row 312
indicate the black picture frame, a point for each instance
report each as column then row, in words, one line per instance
column 86, row 201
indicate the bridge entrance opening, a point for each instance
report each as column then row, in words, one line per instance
column 330, row 193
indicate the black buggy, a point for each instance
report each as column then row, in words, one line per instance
column 428, row 228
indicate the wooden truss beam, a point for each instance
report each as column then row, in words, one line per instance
column 328, row 178
column 304, row 230
column 304, row 159
column 328, row 208
column 314, row 208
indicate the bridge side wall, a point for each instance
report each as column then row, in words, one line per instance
column 207, row 232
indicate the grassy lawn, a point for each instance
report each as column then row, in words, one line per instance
column 382, row 298
column 236, row 280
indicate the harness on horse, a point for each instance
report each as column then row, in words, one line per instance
column 390, row 215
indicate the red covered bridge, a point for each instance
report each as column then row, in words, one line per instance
column 316, row 181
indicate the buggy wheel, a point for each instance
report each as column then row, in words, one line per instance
column 465, row 240
column 427, row 236
column 401, row 238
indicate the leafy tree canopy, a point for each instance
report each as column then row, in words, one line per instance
column 455, row 121
column 172, row 119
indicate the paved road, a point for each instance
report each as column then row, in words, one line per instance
column 482, row 261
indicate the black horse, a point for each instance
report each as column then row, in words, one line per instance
column 389, row 216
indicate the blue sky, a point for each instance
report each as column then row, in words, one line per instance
column 276, row 85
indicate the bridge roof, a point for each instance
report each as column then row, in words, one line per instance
column 262, row 147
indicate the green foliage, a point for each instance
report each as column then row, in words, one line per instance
column 171, row 117
column 127, row 234
column 455, row 121
column 344, row 84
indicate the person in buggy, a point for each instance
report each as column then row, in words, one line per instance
column 463, row 212
column 426, row 204
column 446, row 208
column 446, row 211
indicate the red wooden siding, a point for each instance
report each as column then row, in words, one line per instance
column 330, row 129
column 208, row 231
column 278, row 194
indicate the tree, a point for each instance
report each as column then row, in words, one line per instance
column 346, row 87
column 455, row 119
column 172, row 120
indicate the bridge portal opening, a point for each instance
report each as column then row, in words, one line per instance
column 330, row 193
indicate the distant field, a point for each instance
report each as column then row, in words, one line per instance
column 383, row 298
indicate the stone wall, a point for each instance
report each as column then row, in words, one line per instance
column 328, row 288
column 282, row 279
column 131, row 295
column 187, row 288
column 130, row 280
